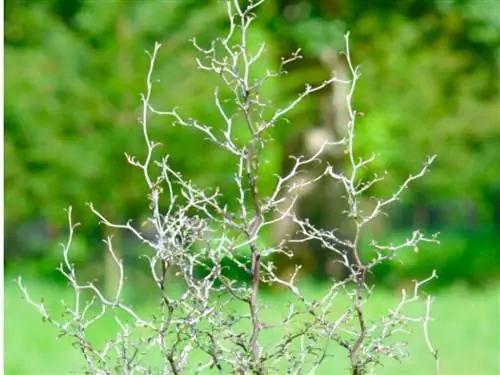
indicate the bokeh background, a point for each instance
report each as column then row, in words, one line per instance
column 74, row 70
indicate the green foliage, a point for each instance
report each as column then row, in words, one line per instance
column 431, row 97
column 470, row 258
column 74, row 71
column 75, row 103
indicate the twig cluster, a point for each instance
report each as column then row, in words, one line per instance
column 216, row 323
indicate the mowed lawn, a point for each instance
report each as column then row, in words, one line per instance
column 465, row 329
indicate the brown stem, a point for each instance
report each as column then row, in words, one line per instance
column 252, row 231
column 360, row 281
column 253, row 304
column 252, row 171
column 356, row 366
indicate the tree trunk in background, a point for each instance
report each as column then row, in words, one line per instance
column 323, row 203
column 334, row 118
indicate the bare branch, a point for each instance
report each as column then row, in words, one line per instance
column 191, row 233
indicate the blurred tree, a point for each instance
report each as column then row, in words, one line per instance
column 429, row 86
column 74, row 71
column 74, row 74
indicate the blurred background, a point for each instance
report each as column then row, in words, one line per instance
column 74, row 70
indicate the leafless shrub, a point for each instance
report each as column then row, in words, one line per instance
column 215, row 323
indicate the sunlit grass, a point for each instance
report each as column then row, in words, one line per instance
column 466, row 330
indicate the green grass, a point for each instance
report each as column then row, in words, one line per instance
column 466, row 330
